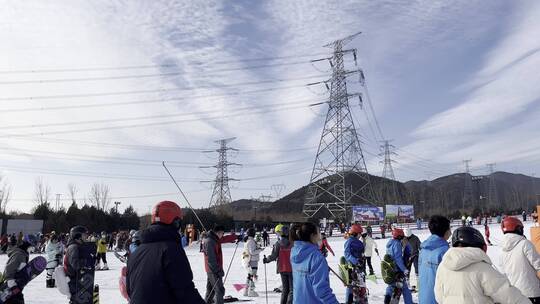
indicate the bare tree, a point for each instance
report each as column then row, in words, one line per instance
column 72, row 190
column 5, row 194
column 42, row 192
column 99, row 196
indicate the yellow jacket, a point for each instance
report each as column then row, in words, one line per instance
column 102, row 245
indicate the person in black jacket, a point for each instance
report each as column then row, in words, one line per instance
column 159, row 271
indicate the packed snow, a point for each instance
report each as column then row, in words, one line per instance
column 36, row 293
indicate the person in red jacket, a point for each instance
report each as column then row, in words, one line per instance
column 325, row 247
column 486, row 230
column 213, row 263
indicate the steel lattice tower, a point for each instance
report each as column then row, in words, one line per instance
column 339, row 158
column 221, row 193
column 388, row 172
column 467, row 199
column 492, row 194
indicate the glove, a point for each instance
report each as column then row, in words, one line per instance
column 377, row 251
column 265, row 260
column 220, row 273
column 406, row 273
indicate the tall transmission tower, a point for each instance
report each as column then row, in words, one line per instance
column 339, row 162
column 468, row 189
column 492, row 192
column 221, row 194
column 389, row 185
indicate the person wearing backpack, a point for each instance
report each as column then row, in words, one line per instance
column 431, row 255
column 281, row 252
column 520, row 261
column 394, row 252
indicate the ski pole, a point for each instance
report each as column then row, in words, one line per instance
column 183, row 195
column 337, row 275
column 265, row 282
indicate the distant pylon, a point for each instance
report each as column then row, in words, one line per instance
column 389, row 185
column 492, row 194
column 339, row 158
column 221, row 193
column 468, row 191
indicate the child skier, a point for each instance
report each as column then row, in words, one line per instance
column 394, row 250
column 250, row 258
column 102, row 252
column 17, row 258
column 282, row 254
column 325, row 247
column 369, row 245
column 354, row 255
column 54, row 250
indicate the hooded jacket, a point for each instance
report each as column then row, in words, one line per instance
column 251, row 253
column 17, row 259
column 369, row 245
column 429, row 258
column 159, row 271
column 466, row 276
column 354, row 250
column 283, row 242
column 394, row 249
column 520, row 262
column 213, row 255
column 310, row 275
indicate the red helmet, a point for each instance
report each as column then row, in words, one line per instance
column 398, row 233
column 166, row 212
column 511, row 224
column 356, row 229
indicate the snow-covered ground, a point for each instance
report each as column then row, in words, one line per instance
column 36, row 293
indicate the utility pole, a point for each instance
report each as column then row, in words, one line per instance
column 58, row 201
column 221, row 194
column 492, row 192
column 467, row 198
column 339, row 157
column 116, row 206
column 389, row 191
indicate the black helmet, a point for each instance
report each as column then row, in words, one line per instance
column 468, row 237
column 251, row 232
column 76, row 232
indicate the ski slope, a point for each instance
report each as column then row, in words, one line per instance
column 36, row 293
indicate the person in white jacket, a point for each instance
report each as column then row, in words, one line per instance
column 466, row 274
column 250, row 259
column 369, row 246
column 520, row 261
column 53, row 250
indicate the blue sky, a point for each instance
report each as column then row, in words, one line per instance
column 99, row 91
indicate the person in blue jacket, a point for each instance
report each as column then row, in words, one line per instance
column 395, row 249
column 309, row 267
column 431, row 254
column 354, row 253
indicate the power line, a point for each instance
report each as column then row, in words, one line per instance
column 213, row 86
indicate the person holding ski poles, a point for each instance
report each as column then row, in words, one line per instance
column 250, row 259
column 309, row 267
column 369, row 246
column 466, row 274
column 325, row 247
column 520, row 261
column 54, row 250
column 431, row 254
column 281, row 252
column 213, row 263
column 354, row 255
column 394, row 250
column 159, row 270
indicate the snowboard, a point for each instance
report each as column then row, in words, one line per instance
column 120, row 257
column 230, row 299
column 84, row 285
column 34, row 268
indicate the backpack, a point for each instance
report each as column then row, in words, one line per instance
column 388, row 271
column 284, row 259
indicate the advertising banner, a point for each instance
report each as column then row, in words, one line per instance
column 367, row 213
column 400, row 212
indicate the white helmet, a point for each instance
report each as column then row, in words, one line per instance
column 407, row 232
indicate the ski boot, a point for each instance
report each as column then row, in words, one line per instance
column 105, row 267
column 50, row 283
